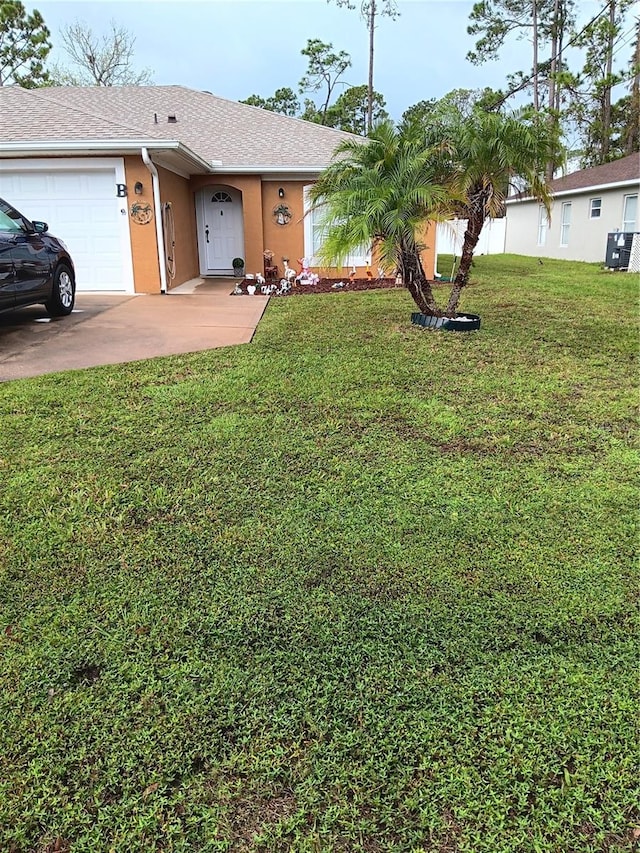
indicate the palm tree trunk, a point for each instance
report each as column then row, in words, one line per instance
column 471, row 237
column 417, row 284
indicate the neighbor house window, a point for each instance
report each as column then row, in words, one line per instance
column 595, row 208
column 543, row 222
column 314, row 232
column 565, row 223
column 630, row 212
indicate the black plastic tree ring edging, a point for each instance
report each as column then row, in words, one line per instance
column 460, row 323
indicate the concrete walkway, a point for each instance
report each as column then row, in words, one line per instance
column 105, row 329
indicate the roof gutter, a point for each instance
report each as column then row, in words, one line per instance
column 230, row 169
column 148, row 162
column 117, row 147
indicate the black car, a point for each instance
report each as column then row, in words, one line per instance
column 35, row 267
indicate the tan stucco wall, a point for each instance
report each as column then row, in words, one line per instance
column 261, row 231
column 176, row 190
column 144, row 252
column 285, row 241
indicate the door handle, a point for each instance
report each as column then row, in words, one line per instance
column 206, row 232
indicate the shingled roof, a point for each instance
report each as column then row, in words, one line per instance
column 229, row 134
column 619, row 171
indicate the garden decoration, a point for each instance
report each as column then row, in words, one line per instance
column 237, row 290
column 282, row 214
column 305, row 276
column 260, row 278
column 251, row 289
column 289, row 274
column 270, row 269
column 238, row 267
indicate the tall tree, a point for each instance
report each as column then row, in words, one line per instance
column 283, row 101
column 96, row 60
column 325, row 67
column 24, row 46
column 593, row 87
column 632, row 131
column 463, row 102
column 546, row 23
column 370, row 10
column 351, row 109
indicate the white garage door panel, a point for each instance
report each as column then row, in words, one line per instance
column 81, row 207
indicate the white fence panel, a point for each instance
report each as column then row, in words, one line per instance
column 449, row 237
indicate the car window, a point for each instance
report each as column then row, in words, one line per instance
column 9, row 224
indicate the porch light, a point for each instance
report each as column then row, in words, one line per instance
column 281, row 192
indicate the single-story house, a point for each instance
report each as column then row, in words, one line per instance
column 152, row 186
column 587, row 206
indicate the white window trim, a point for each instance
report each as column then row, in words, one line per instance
column 564, row 240
column 625, row 199
column 543, row 225
column 591, row 208
column 351, row 261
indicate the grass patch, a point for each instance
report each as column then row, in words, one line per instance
column 354, row 587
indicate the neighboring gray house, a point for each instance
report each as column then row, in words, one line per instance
column 587, row 205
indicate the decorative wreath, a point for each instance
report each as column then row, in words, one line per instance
column 141, row 213
column 282, row 214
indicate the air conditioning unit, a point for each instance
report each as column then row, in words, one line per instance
column 618, row 250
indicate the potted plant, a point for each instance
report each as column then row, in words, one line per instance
column 238, row 267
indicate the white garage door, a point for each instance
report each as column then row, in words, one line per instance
column 79, row 202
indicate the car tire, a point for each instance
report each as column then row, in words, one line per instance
column 63, row 292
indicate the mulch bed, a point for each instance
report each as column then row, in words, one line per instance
column 325, row 286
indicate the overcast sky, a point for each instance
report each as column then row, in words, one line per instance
column 234, row 48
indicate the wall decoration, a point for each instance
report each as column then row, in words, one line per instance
column 141, row 213
column 282, row 214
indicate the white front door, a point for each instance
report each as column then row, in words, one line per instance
column 221, row 230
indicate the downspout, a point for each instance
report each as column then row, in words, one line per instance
column 148, row 162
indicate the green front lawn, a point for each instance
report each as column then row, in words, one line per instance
column 354, row 587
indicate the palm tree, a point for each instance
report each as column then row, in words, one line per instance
column 486, row 152
column 382, row 192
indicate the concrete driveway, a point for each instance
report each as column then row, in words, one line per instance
column 105, row 329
